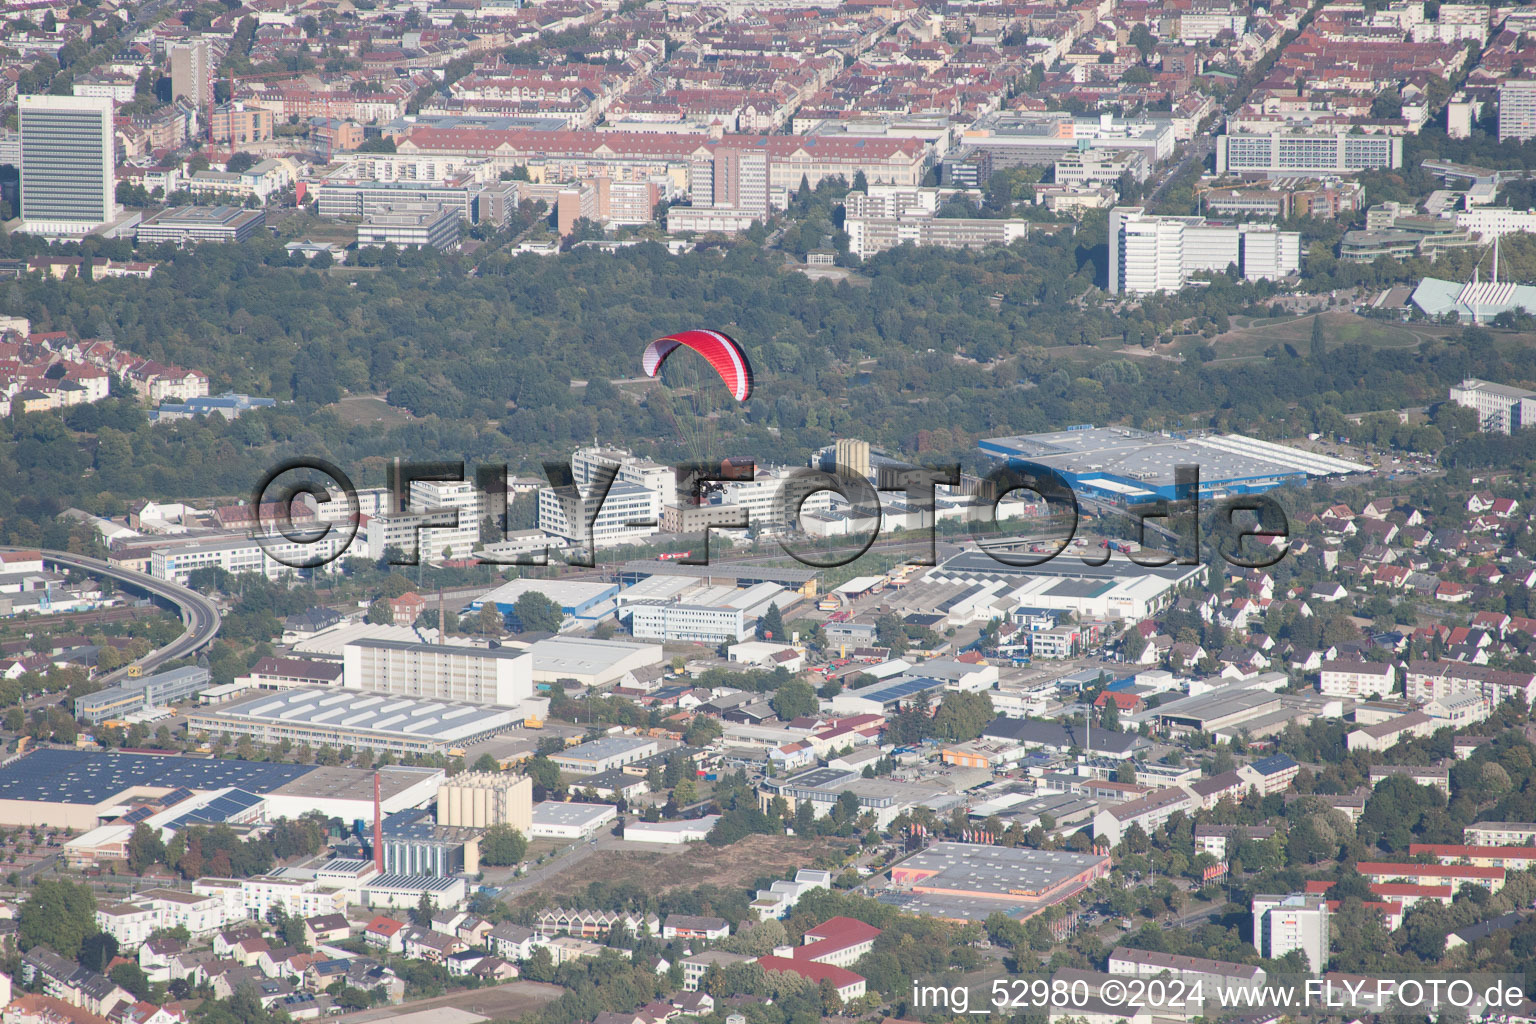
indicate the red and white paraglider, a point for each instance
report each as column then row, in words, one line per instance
column 719, row 350
column 692, row 400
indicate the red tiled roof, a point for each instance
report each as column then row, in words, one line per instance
column 810, row 970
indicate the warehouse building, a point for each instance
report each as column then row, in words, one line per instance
column 133, row 695
column 554, row 820
column 366, row 721
column 483, row 799
column 802, row 581
column 584, row 604
column 1121, row 464
column 605, row 754
column 589, row 661
column 78, row 789
column 500, row 676
column 969, row 882
column 712, row 615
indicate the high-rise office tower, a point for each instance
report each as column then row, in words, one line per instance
column 66, row 164
column 190, row 76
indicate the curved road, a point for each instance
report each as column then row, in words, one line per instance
column 198, row 613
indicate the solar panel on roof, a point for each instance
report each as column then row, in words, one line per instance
column 136, row 815
column 176, row 796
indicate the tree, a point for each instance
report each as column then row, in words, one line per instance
column 145, row 848
column 421, row 913
column 380, row 613
column 771, row 625
column 536, row 613
column 684, row 793
column 1143, row 40
column 59, row 915
column 794, row 699
column 1109, row 719
column 240, row 162
column 486, row 763
column 491, row 620
column 132, row 977
column 1319, row 347
column 502, row 846
column 97, row 951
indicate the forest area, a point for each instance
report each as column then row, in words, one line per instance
column 922, row 352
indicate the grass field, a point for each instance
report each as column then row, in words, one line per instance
column 734, row 866
column 1339, row 328
column 368, row 410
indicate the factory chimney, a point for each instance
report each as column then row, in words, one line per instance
column 378, row 827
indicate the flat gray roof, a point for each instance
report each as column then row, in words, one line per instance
column 997, row 869
column 552, row 813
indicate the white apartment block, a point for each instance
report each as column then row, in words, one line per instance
column 1356, row 679
column 628, row 514
column 243, row 554
column 763, row 502
column 1428, row 680
column 298, row 897
column 131, row 923
column 886, row 216
column 1500, row 833
column 455, row 497
column 1284, row 154
column 1517, row 110
column 1492, row 222
column 1149, row 254
column 1284, row 923
column 451, row 672
column 1500, row 409
column 1205, row 25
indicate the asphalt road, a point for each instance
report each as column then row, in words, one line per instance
column 198, row 613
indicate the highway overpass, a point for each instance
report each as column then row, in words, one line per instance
column 199, row 614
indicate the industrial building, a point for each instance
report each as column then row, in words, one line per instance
column 1117, row 589
column 802, row 581
column 405, row 891
column 588, row 661
column 969, row 882
column 78, row 789
column 882, row 797
column 483, row 799
column 713, row 615
column 414, row 844
column 601, row 755
column 142, row 694
column 1121, row 464
column 554, row 820
column 584, row 604
column 364, row 721
column 500, row 676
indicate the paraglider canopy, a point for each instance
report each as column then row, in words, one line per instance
column 722, row 353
